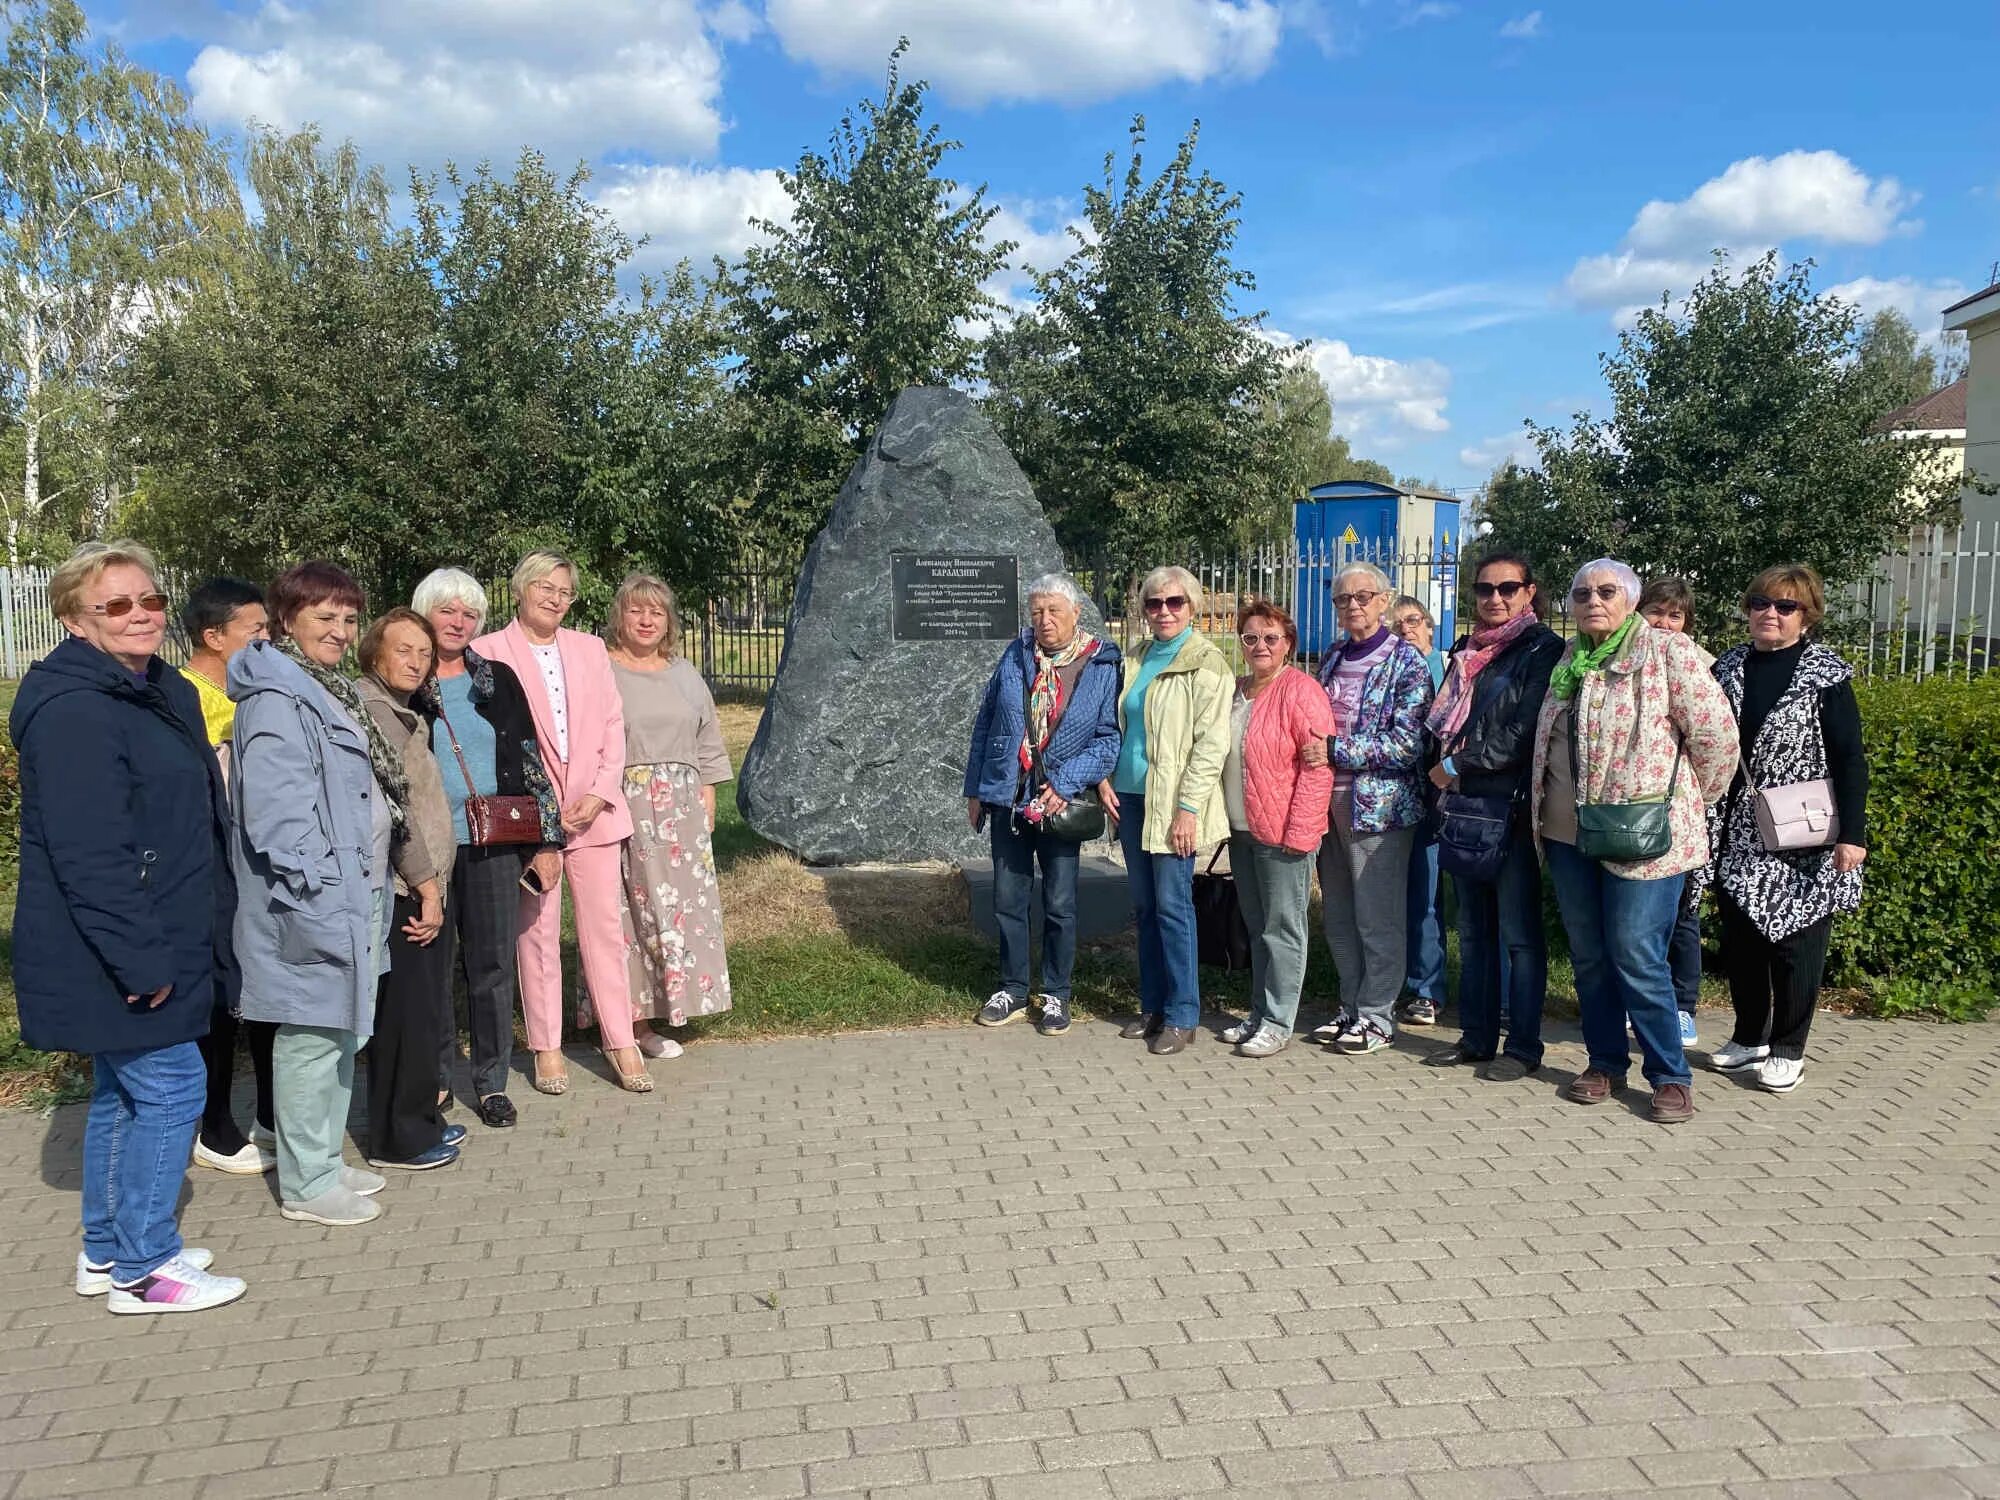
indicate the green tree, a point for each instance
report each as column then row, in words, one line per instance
column 1304, row 447
column 872, row 286
column 1741, row 434
column 107, row 192
column 1891, row 351
column 1135, row 393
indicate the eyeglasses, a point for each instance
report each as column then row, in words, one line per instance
column 1786, row 608
column 551, row 591
column 124, row 604
column 1604, row 592
column 1346, row 601
column 1506, row 590
column 1173, row 602
column 1275, row 638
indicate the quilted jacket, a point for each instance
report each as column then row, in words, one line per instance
column 1285, row 802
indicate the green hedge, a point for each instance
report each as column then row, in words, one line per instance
column 1930, row 916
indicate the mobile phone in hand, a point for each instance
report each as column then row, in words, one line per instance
column 531, row 880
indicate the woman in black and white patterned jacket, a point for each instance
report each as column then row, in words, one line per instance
column 1794, row 702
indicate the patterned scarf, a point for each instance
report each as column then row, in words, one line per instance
column 1045, row 697
column 382, row 757
column 1454, row 699
column 1585, row 659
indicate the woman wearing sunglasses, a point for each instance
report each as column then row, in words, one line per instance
column 1800, row 729
column 1483, row 725
column 1635, row 739
column 122, row 917
column 1165, row 797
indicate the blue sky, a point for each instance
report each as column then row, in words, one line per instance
column 1456, row 202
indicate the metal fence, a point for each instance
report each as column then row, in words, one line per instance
column 1929, row 610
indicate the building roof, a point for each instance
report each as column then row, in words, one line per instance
column 1943, row 410
column 1974, row 309
column 1362, row 489
column 1968, row 301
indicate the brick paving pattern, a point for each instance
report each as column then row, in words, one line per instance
column 992, row 1265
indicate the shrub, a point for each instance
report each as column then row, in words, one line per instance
column 1933, row 874
column 10, row 809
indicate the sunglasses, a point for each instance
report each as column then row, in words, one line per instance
column 1505, row 590
column 1786, row 608
column 1347, row 601
column 1174, row 602
column 1275, row 638
column 1605, row 592
column 124, row 604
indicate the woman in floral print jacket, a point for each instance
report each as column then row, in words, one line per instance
column 1648, row 721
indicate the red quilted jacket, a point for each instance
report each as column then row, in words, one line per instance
column 1286, row 803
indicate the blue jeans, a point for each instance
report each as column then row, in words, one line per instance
column 1503, row 952
column 1618, row 931
column 1017, row 845
column 1424, row 927
column 145, row 1108
column 1684, row 950
column 1163, row 906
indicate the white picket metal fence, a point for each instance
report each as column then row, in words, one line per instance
column 1932, row 609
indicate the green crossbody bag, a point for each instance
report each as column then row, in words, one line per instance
column 1623, row 832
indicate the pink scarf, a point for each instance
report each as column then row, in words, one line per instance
column 1454, row 699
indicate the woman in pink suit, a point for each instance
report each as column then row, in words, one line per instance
column 580, row 724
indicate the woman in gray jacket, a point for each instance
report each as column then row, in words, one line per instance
column 320, row 797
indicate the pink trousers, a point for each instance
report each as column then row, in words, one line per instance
column 596, row 882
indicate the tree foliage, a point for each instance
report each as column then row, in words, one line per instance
column 1136, row 393
column 875, row 284
column 1305, row 450
column 1740, row 435
column 1890, row 349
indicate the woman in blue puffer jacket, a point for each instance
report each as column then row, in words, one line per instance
column 1047, row 732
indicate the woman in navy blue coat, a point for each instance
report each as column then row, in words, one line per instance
column 1047, row 732
column 121, row 929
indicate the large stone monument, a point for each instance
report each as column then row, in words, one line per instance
column 907, row 598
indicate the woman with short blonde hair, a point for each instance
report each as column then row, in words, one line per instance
column 644, row 588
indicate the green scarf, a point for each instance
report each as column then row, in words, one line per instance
column 1585, row 659
column 383, row 758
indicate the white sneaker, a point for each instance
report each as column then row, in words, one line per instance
column 336, row 1208
column 652, row 1044
column 95, row 1281
column 1734, row 1057
column 1241, row 1031
column 1265, row 1041
column 367, row 1184
column 249, row 1162
column 1780, row 1075
column 175, row 1287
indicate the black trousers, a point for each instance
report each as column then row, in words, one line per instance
column 403, row 1119
column 481, row 920
column 219, row 1130
column 1775, row 985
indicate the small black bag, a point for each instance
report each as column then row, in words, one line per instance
column 1221, row 938
column 1472, row 835
column 1082, row 818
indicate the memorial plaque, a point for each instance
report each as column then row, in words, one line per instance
column 942, row 597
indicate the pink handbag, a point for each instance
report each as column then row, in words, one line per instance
column 1799, row 816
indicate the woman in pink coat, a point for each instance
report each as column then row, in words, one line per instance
column 1277, row 817
column 580, row 726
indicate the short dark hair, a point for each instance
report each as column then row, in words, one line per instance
column 1269, row 609
column 213, row 605
column 1514, row 559
column 304, row 585
column 1668, row 593
column 371, row 640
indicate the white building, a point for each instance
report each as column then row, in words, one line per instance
column 1979, row 317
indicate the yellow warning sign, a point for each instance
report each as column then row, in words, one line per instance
column 1446, row 539
column 1350, row 536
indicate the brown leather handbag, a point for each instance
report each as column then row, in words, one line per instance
column 494, row 822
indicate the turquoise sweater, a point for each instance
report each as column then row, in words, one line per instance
column 1129, row 779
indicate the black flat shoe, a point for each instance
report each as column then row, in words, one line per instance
column 496, row 1112
column 1171, row 1039
column 1144, row 1029
column 1456, row 1057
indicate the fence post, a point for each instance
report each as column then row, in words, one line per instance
column 7, row 622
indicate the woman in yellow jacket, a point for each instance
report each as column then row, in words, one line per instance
column 1165, row 796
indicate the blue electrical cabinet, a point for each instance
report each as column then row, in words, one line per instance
column 1410, row 534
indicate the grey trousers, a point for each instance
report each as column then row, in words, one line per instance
column 312, row 1075
column 1364, row 903
column 1274, row 888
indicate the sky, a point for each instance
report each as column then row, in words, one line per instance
column 1458, row 204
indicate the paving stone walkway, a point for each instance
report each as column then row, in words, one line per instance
column 992, row 1265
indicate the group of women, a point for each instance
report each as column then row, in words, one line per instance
column 261, row 846
column 1625, row 761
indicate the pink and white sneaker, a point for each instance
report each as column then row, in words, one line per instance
column 95, row 1281
column 175, row 1287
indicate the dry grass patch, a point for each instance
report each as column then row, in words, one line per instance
column 774, row 895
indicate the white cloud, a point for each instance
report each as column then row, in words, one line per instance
column 1919, row 301
column 693, row 211
column 422, row 80
column 1508, row 447
column 1627, row 281
column 1378, row 402
column 1523, row 28
column 1818, row 195
column 1070, row 50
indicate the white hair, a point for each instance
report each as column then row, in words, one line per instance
column 1620, row 572
column 1172, row 577
column 1058, row 585
column 443, row 586
column 1369, row 571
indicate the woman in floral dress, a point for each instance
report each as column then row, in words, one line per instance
column 674, row 760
